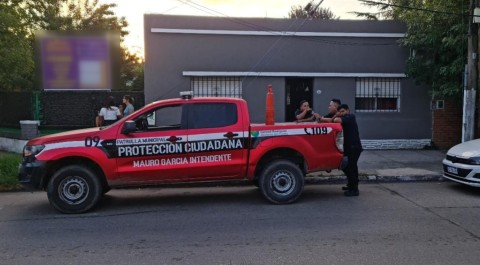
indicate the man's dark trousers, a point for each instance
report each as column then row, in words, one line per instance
column 351, row 170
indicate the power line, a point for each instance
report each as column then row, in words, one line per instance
column 413, row 8
column 251, row 25
column 270, row 30
column 172, row 8
column 222, row 15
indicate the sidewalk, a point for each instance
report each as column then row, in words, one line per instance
column 391, row 165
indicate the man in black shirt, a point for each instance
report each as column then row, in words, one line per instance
column 332, row 110
column 305, row 113
column 352, row 148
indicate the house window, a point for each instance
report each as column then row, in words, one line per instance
column 216, row 86
column 377, row 95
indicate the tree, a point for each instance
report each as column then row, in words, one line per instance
column 386, row 9
column 23, row 18
column 45, row 15
column 131, row 72
column 71, row 15
column 312, row 11
column 87, row 15
column 436, row 35
column 16, row 53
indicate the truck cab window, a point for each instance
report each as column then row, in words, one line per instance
column 211, row 115
column 164, row 118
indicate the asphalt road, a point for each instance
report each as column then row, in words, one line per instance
column 390, row 223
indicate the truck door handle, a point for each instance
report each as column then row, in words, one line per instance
column 230, row 135
column 174, row 138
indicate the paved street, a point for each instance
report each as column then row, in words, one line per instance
column 390, row 223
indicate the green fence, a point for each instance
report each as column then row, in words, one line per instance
column 59, row 110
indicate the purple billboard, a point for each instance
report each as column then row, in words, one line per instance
column 75, row 62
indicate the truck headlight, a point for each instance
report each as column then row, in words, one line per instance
column 32, row 150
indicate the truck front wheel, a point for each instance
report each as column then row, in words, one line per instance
column 74, row 189
column 281, row 182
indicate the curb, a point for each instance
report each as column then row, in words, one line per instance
column 12, row 145
column 373, row 179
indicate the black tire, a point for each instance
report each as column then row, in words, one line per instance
column 281, row 182
column 74, row 189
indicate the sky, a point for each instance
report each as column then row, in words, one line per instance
column 133, row 11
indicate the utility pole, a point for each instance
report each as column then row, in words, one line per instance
column 470, row 90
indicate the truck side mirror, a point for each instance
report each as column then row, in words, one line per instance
column 129, row 127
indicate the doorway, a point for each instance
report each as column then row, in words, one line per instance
column 297, row 89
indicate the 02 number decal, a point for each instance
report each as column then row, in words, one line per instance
column 92, row 141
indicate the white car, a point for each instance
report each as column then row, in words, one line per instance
column 462, row 163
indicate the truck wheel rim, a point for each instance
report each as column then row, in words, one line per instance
column 283, row 183
column 73, row 190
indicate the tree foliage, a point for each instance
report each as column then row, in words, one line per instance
column 72, row 15
column 437, row 37
column 26, row 17
column 131, row 72
column 16, row 53
column 44, row 15
column 311, row 11
column 87, row 15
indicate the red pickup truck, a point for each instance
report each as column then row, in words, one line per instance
column 179, row 140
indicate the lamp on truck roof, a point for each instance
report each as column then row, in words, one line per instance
column 186, row 94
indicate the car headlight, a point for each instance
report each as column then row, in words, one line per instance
column 32, row 150
column 474, row 160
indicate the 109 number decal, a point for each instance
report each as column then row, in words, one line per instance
column 316, row 130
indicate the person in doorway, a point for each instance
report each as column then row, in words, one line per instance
column 109, row 113
column 304, row 113
column 127, row 107
column 332, row 110
column 352, row 148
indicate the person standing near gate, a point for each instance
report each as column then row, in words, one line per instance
column 352, row 147
column 109, row 113
column 128, row 109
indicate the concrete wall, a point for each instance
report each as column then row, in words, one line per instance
column 448, row 124
column 169, row 56
column 12, row 145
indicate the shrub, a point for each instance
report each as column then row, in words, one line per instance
column 9, row 170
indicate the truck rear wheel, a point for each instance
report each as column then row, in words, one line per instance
column 74, row 189
column 281, row 182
